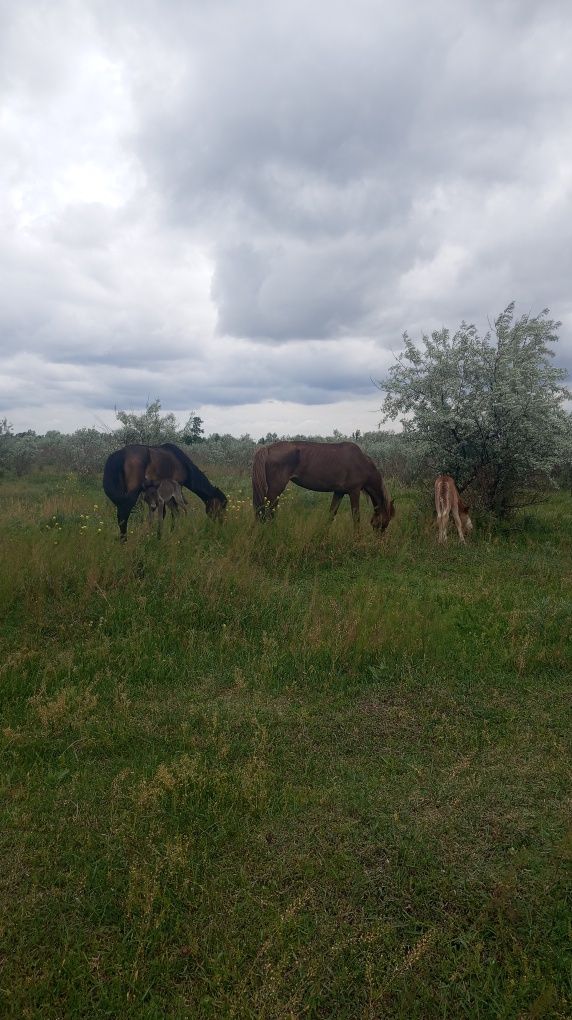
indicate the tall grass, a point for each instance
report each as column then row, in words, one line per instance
column 277, row 771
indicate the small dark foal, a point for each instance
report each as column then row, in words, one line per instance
column 158, row 497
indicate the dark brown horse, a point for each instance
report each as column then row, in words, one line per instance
column 341, row 468
column 131, row 469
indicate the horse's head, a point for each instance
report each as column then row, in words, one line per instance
column 216, row 506
column 151, row 495
column 381, row 516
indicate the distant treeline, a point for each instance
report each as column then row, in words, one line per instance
column 84, row 452
column 409, row 457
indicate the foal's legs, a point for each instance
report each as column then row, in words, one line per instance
column 442, row 521
column 174, row 505
column 177, row 503
column 161, row 513
column 458, row 524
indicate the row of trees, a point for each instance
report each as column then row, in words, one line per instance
column 488, row 410
column 84, row 451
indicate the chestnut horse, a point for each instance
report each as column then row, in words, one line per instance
column 131, row 469
column 341, row 468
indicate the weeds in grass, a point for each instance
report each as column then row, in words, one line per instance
column 272, row 770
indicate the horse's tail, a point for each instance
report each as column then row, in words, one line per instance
column 259, row 480
column 114, row 477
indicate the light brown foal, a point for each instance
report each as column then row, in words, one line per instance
column 448, row 501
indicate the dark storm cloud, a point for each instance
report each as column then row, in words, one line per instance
column 287, row 294
column 243, row 202
column 311, row 373
column 314, row 153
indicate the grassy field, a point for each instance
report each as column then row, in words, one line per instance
column 274, row 772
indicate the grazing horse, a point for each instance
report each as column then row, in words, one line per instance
column 158, row 497
column 447, row 501
column 132, row 468
column 341, row 468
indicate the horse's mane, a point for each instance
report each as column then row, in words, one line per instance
column 197, row 481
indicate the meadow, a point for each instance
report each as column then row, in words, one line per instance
column 277, row 772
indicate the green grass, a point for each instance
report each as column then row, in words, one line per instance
column 276, row 772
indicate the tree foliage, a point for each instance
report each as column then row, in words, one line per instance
column 85, row 450
column 488, row 410
column 193, row 430
column 150, row 427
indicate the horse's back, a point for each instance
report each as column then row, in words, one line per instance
column 127, row 469
column 323, row 466
column 283, row 454
column 124, row 471
column 163, row 465
column 135, row 461
column 346, row 455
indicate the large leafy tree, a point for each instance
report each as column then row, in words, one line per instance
column 488, row 410
column 150, row 427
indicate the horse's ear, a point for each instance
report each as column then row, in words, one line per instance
column 392, row 511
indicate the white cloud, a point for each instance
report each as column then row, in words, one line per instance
column 434, row 275
column 241, row 208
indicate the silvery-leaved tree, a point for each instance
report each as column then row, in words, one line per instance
column 152, row 427
column 488, row 410
column 148, row 427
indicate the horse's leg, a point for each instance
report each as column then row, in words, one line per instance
column 122, row 518
column 174, row 510
column 439, row 527
column 354, row 501
column 335, row 504
column 180, row 503
column 161, row 511
column 123, row 513
column 457, row 521
column 443, row 526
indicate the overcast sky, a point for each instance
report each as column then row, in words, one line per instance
column 240, row 206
